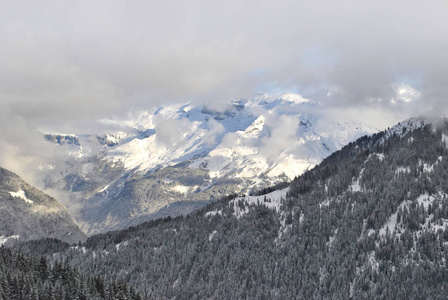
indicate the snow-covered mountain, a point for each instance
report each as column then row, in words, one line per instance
column 187, row 154
column 27, row 213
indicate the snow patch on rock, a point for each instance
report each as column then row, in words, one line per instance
column 211, row 235
column 4, row 239
column 21, row 194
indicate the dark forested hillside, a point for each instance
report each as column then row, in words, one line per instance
column 23, row 278
column 370, row 222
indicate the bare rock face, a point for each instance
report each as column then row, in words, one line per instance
column 27, row 213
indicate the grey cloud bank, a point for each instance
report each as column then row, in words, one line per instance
column 66, row 63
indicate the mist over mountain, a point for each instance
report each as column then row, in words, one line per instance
column 27, row 213
column 370, row 221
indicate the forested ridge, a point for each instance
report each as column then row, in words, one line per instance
column 370, row 222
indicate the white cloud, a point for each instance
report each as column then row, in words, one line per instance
column 170, row 132
column 283, row 130
column 215, row 129
column 65, row 60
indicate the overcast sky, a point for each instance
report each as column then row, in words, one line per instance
column 65, row 63
column 72, row 60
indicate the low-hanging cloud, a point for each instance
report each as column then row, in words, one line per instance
column 282, row 134
column 170, row 132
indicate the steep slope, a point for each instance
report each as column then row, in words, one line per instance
column 175, row 155
column 369, row 222
column 27, row 213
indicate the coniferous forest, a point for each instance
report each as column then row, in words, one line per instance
column 34, row 278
